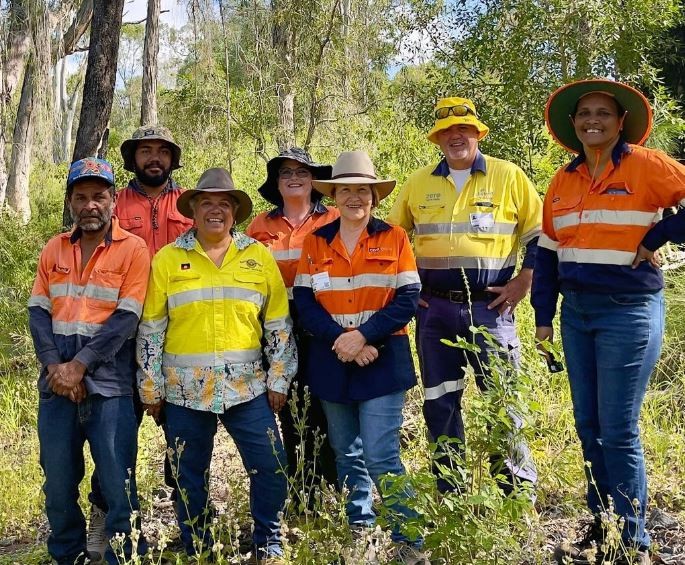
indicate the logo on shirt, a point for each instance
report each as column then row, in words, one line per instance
column 185, row 266
column 556, row 199
column 250, row 264
column 433, row 196
column 620, row 190
column 378, row 250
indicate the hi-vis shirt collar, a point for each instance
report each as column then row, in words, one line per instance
column 187, row 240
column 329, row 231
column 317, row 208
column 171, row 184
column 443, row 169
column 616, row 154
column 114, row 233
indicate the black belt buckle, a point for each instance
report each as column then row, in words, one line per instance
column 458, row 296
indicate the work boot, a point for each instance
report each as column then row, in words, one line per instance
column 96, row 541
column 584, row 551
column 635, row 557
column 405, row 554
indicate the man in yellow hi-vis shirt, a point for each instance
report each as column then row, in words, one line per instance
column 215, row 304
column 469, row 214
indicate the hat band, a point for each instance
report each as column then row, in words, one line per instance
column 352, row 175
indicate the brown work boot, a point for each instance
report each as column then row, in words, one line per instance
column 635, row 557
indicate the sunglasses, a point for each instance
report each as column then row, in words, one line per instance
column 460, row 110
column 299, row 173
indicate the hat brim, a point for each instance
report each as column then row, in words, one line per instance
column 637, row 124
column 269, row 190
column 383, row 187
column 450, row 121
column 243, row 199
column 128, row 152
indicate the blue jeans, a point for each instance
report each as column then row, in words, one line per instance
column 109, row 426
column 365, row 437
column 612, row 343
column 443, row 379
column 248, row 424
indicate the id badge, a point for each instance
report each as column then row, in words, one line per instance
column 482, row 221
column 321, row 281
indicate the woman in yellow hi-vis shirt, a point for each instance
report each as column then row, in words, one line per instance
column 215, row 295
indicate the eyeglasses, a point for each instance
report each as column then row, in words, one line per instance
column 460, row 110
column 299, row 173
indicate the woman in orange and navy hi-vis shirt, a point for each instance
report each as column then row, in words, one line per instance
column 356, row 289
column 601, row 226
column 298, row 212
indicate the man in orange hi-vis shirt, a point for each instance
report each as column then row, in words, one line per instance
column 84, row 309
column 147, row 206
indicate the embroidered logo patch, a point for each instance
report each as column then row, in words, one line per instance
column 250, row 264
column 556, row 199
column 618, row 190
column 185, row 266
column 433, row 196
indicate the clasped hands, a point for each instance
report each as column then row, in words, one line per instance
column 66, row 379
column 352, row 346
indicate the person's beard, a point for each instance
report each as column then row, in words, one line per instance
column 93, row 221
column 152, row 180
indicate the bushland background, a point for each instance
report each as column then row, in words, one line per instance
column 235, row 81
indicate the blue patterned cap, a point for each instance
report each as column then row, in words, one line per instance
column 88, row 168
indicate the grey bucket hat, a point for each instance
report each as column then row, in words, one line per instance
column 269, row 190
column 154, row 131
column 216, row 180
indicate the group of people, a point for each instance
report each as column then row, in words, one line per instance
column 156, row 303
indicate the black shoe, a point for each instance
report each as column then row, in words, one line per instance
column 584, row 551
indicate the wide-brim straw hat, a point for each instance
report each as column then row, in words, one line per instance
column 269, row 190
column 216, row 180
column 637, row 123
column 128, row 147
column 354, row 167
column 470, row 119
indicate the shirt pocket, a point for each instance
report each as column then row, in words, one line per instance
column 384, row 271
column 251, row 287
column 102, row 291
column 481, row 223
column 131, row 224
column 566, row 210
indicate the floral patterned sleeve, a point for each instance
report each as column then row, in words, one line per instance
column 150, row 339
column 279, row 348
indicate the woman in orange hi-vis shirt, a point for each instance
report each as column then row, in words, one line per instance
column 298, row 212
column 356, row 289
column 601, row 226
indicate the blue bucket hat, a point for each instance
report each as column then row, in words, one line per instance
column 90, row 168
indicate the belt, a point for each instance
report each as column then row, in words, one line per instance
column 459, row 296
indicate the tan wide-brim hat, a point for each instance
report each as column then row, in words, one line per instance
column 470, row 118
column 637, row 123
column 354, row 167
column 149, row 132
column 216, row 180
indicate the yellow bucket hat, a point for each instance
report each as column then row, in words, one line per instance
column 455, row 110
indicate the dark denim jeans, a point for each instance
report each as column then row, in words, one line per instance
column 612, row 343
column 109, row 426
column 443, row 378
column 365, row 437
column 248, row 424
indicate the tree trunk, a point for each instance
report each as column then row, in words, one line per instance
column 12, row 63
column 18, row 182
column 98, row 89
column 285, row 134
column 148, row 107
